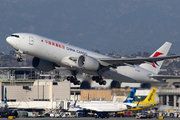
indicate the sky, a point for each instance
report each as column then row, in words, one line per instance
column 125, row 26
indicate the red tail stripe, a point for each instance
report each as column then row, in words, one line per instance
column 157, row 54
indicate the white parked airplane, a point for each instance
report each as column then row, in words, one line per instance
column 102, row 108
column 49, row 54
column 4, row 106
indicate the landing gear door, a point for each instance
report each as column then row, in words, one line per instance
column 31, row 40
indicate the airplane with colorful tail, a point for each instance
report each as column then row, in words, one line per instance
column 148, row 102
column 50, row 54
column 4, row 106
column 102, row 108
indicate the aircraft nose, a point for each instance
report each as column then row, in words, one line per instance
column 8, row 40
column 12, row 41
column 128, row 106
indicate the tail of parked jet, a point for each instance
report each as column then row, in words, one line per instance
column 155, row 66
column 147, row 102
column 150, row 98
column 131, row 96
column 5, row 98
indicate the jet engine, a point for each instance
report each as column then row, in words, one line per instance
column 88, row 63
column 43, row 65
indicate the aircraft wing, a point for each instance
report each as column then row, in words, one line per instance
column 159, row 77
column 91, row 109
column 133, row 61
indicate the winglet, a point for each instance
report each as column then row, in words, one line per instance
column 131, row 96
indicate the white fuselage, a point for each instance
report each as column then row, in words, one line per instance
column 59, row 53
column 103, row 106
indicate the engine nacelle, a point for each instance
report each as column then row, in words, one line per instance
column 88, row 63
column 43, row 65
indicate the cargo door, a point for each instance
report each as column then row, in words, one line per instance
column 31, row 40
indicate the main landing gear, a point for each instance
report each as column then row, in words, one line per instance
column 73, row 80
column 99, row 80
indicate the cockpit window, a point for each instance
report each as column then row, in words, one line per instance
column 15, row 36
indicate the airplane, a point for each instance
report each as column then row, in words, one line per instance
column 102, row 108
column 147, row 102
column 3, row 106
column 50, row 54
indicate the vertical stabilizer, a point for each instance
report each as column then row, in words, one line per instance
column 150, row 98
column 75, row 103
column 131, row 96
column 155, row 66
column 5, row 97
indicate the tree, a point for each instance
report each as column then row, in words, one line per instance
column 146, row 54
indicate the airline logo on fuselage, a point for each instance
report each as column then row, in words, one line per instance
column 53, row 44
column 76, row 50
column 63, row 47
column 156, row 55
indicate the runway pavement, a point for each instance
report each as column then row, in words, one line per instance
column 86, row 118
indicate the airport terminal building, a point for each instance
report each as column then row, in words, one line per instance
column 28, row 88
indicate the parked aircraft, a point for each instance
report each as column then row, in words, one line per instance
column 49, row 54
column 147, row 102
column 102, row 108
column 4, row 106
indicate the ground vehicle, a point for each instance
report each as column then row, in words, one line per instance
column 144, row 115
column 51, row 115
column 57, row 115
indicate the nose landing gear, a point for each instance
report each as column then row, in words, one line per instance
column 19, row 59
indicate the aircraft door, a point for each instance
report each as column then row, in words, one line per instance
column 31, row 40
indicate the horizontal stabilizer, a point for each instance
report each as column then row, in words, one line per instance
column 160, row 77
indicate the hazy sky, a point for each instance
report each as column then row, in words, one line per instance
column 124, row 26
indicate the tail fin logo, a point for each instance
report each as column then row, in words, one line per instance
column 156, row 55
column 150, row 97
column 131, row 96
column 5, row 101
